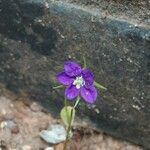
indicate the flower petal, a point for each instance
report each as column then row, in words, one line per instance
column 72, row 68
column 88, row 77
column 89, row 94
column 64, row 79
column 71, row 92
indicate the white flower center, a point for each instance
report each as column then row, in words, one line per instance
column 79, row 82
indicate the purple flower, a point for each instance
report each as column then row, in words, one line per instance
column 78, row 82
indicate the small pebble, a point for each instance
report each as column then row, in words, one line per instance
column 9, row 124
column 49, row 148
column 26, row 147
column 11, row 105
column 35, row 107
column 3, row 124
column 55, row 134
column 15, row 130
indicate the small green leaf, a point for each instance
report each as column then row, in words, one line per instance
column 58, row 87
column 99, row 86
column 67, row 115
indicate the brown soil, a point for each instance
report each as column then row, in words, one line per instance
column 30, row 119
column 134, row 10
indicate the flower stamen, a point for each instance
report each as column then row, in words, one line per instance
column 79, row 82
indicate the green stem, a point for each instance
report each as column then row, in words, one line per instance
column 68, row 131
column 99, row 86
column 58, row 87
column 84, row 62
column 70, row 122
column 65, row 102
column 77, row 102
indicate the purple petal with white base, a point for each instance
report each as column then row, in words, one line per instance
column 64, row 79
column 78, row 82
column 88, row 77
column 71, row 92
column 72, row 68
column 89, row 94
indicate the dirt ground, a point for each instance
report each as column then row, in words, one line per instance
column 29, row 119
column 137, row 11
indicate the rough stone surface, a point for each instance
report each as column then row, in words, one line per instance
column 133, row 10
column 36, row 37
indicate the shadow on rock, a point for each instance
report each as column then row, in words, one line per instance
column 20, row 20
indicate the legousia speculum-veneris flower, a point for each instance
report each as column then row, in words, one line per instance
column 79, row 83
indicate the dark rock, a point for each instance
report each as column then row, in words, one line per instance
column 15, row 130
column 36, row 40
